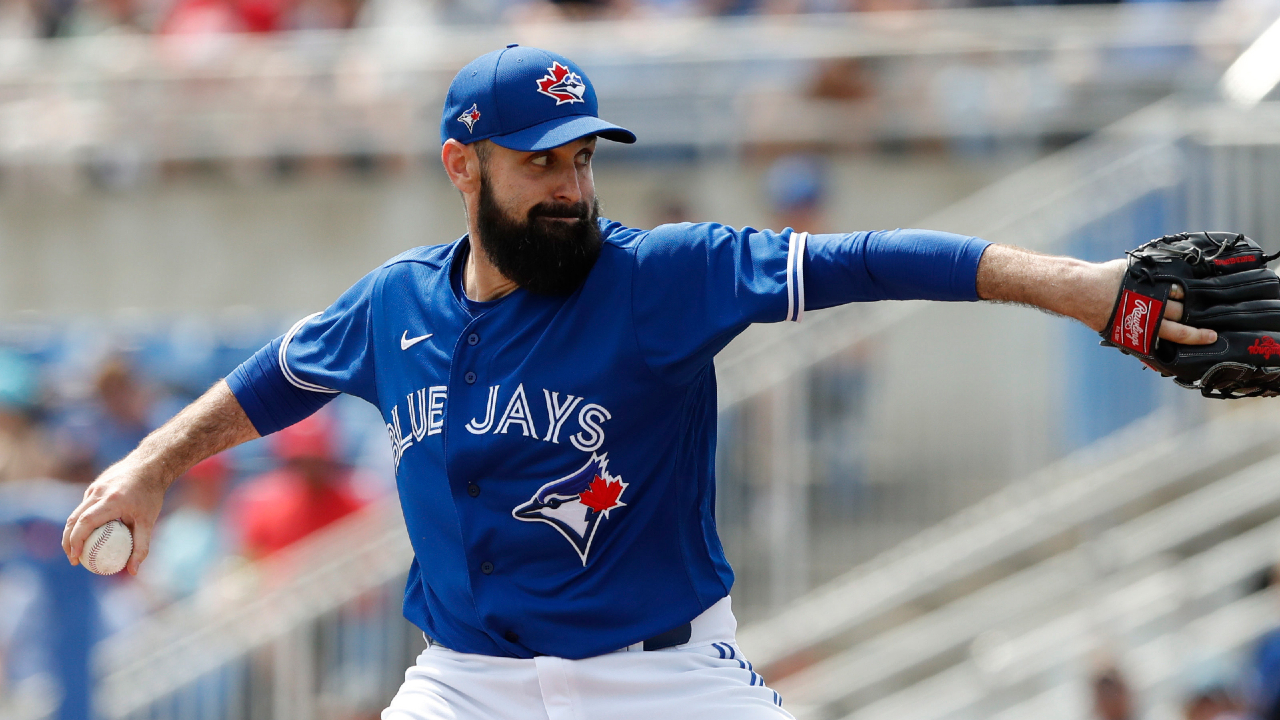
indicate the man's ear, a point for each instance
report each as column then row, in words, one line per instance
column 462, row 165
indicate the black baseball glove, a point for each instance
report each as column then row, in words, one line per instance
column 1228, row 288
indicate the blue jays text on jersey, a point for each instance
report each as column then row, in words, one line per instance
column 554, row 455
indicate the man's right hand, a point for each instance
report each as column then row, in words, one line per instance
column 125, row 492
column 132, row 490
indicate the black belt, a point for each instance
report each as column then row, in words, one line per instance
column 671, row 638
column 663, row 640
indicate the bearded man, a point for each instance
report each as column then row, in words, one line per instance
column 548, row 387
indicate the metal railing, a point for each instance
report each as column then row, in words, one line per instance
column 1162, row 616
column 877, row 665
column 317, row 623
column 1013, row 527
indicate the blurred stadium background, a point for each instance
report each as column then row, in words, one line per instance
column 935, row 512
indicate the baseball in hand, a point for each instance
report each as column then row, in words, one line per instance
column 107, row 549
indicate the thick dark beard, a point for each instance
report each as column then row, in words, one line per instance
column 546, row 257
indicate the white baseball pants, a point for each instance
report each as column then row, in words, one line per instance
column 706, row 677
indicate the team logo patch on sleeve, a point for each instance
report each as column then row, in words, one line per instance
column 563, row 84
column 470, row 117
column 577, row 503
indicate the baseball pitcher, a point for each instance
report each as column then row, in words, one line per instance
column 549, row 393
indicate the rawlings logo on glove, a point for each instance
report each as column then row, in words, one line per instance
column 1226, row 288
column 1137, row 329
column 1265, row 347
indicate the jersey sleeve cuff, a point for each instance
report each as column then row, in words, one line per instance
column 267, row 397
column 797, row 259
column 966, row 278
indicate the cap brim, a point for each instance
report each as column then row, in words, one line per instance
column 557, row 132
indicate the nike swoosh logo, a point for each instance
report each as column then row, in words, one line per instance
column 407, row 342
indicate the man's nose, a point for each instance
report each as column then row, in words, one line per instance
column 569, row 189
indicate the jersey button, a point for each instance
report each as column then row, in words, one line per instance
column 470, row 377
column 473, row 489
column 486, row 567
column 511, row 636
column 473, row 339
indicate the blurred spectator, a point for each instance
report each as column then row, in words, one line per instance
column 325, row 15
column 1216, row 703
column 672, row 209
column 17, row 19
column 203, row 18
column 967, row 98
column 1213, row 694
column 192, row 19
column 104, row 17
column 1264, row 680
column 1111, row 697
column 52, row 16
column 842, row 79
column 188, row 543
column 797, row 186
column 49, row 610
column 542, row 11
column 310, row 490
column 263, row 16
column 1263, row 676
column 73, row 457
column 24, row 453
column 123, row 415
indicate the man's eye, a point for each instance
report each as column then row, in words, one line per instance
column 540, row 161
column 584, row 158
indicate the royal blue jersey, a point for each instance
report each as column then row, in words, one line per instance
column 555, row 455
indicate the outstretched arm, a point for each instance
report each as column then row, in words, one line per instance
column 1074, row 288
column 132, row 490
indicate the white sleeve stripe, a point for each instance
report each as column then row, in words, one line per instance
column 795, row 276
column 800, row 256
column 284, row 362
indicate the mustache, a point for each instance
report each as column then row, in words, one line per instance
column 575, row 211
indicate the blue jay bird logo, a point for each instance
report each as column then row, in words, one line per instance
column 470, row 117
column 576, row 503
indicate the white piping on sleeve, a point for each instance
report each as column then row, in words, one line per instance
column 800, row 254
column 284, row 362
column 795, row 276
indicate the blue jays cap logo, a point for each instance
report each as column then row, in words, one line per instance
column 575, row 504
column 470, row 117
column 563, row 84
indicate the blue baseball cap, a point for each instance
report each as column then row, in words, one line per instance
column 525, row 99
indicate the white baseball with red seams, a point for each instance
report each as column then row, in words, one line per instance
column 107, row 549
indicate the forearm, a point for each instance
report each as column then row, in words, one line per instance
column 206, row 427
column 1061, row 285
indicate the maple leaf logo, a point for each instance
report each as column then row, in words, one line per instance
column 563, row 84
column 602, row 496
